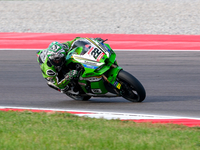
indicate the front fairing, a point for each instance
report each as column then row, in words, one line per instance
column 96, row 58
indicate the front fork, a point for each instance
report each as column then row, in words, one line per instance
column 112, row 77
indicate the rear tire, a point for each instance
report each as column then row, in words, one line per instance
column 131, row 88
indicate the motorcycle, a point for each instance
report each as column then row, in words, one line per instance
column 99, row 73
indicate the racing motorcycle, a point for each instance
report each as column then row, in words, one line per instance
column 99, row 73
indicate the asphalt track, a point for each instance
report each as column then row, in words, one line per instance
column 171, row 80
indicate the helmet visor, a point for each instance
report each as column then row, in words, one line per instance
column 57, row 59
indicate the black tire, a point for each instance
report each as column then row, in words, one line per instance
column 131, row 89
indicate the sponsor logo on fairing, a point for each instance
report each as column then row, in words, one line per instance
column 96, row 90
column 100, row 56
column 90, row 66
column 117, row 85
column 51, row 73
column 92, row 79
column 90, row 50
column 83, row 84
column 91, row 63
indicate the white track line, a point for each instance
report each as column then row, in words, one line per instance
column 106, row 115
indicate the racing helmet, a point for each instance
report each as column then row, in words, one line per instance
column 56, row 54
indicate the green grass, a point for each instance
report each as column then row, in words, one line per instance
column 63, row 131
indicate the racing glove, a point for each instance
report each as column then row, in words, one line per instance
column 71, row 75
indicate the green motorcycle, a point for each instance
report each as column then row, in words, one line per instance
column 99, row 73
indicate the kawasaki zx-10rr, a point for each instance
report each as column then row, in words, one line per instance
column 99, row 73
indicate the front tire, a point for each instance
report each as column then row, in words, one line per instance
column 131, row 88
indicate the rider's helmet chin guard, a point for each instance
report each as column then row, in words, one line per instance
column 56, row 55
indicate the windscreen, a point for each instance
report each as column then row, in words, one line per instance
column 82, row 43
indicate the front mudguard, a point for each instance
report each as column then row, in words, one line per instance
column 112, row 76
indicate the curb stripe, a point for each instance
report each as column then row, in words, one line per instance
column 138, row 118
column 116, row 41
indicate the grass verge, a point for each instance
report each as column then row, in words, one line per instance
column 61, row 131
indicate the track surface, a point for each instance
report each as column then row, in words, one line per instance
column 171, row 80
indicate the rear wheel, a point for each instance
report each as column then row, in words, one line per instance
column 131, row 88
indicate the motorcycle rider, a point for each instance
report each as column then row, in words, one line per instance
column 52, row 63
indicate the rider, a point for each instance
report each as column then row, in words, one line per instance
column 52, row 63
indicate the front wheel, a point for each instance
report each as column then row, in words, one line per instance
column 131, row 88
